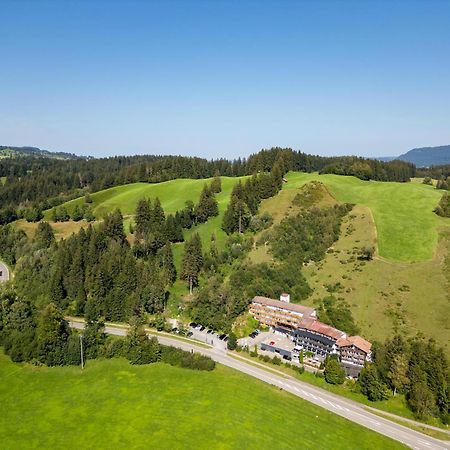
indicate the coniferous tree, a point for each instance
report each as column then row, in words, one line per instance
column 174, row 231
column 192, row 261
column 216, row 183
column 142, row 218
column 168, row 266
column 52, row 335
column 77, row 214
column 207, row 206
column 44, row 236
column 158, row 217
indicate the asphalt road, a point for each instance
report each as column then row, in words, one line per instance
column 339, row 405
column 4, row 272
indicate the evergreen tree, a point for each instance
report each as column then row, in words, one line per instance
column 236, row 217
column 88, row 215
column 112, row 227
column 17, row 327
column 52, row 335
column 232, row 341
column 44, row 236
column 334, row 374
column 158, row 217
column 77, row 214
column 143, row 217
column 174, row 232
column 216, row 183
column 371, row 384
column 207, row 206
column 192, row 261
column 170, row 272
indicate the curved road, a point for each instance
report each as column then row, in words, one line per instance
column 4, row 272
column 339, row 405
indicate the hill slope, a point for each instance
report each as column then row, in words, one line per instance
column 403, row 212
column 428, row 156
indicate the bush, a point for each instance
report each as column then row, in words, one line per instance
column 276, row 361
column 113, row 348
column 180, row 358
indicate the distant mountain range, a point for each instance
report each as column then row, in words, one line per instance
column 21, row 152
column 424, row 156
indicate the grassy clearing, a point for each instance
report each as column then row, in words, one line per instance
column 62, row 230
column 407, row 228
column 114, row 405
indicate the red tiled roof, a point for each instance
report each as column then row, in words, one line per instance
column 305, row 310
column 322, row 328
column 357, row 341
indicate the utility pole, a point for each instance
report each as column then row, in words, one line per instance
column 81, row 350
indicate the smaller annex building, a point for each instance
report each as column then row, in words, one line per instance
column 305, row 333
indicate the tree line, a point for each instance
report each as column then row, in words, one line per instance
column 44, row 337
column 43, row 183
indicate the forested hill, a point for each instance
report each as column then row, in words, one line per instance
column 31, row 183
column 424, row 156
column 428, row 156
column 33, row 152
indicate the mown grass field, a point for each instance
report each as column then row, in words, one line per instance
column 114, row 405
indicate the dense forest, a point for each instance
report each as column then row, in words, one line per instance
column 42, row 183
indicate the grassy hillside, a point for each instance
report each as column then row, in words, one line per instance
column 112, row 404
column 407, row 228
column 385, row 296
column 403, row 212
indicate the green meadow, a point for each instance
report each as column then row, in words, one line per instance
column 112, row 404
column 407, row 228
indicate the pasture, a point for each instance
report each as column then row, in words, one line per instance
column 407, row 228
column 112, row 404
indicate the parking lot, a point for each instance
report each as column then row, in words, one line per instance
column 202, row 334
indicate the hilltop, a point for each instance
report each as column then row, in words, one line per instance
column 34, row 152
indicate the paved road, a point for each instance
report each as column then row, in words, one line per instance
column 339, row 405
column 4, row 272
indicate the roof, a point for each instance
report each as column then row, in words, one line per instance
column 305, row 310
column 322, row 328
column 357, row 341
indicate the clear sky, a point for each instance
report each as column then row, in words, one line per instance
column 225, row 78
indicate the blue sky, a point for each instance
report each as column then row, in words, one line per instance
column 225, row 78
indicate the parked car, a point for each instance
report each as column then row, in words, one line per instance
column 189, row 334
column 193, row 324
column 202, row 328
column 175, row 330
column 209, row 332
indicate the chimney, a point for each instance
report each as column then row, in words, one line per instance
column 284, row 297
